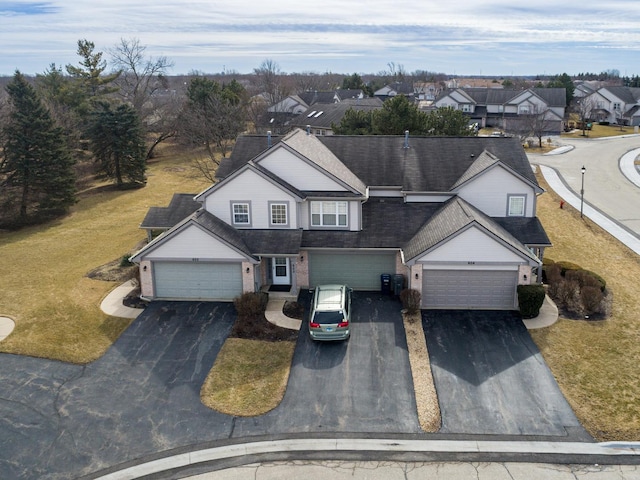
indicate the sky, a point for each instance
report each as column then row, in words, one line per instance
column 458, row 37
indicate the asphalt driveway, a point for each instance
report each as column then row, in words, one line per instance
column 361, row 385
column 491, row 378
column 142, row 397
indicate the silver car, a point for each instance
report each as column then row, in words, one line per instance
column 330, row 317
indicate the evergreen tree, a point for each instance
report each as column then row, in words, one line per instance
column 36, row 170
column 117, row 144
column 88, row 79
column 448, row 122
column 396, row 116
column 354, row 122
column 563, row 81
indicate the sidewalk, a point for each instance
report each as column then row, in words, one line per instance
column 112, row 303
column 379, row 449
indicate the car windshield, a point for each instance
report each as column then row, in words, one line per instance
column 328, row 317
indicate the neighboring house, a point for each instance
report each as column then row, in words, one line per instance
column 283, row 112
column 319, row 118
column 620, row 105
column 394, row 89
column 456, row 216
column 506, row 108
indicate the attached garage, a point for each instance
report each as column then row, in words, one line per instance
column 197, row 280
column 360, row 271
column 469, row 289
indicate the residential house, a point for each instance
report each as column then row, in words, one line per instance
column 508, row 109
column 394, row 89
column 284, row 111
column 320, row 117
column 455, row 216
column 615, row 104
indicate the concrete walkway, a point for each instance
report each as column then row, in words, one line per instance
column 274, row 311
column 112, row 303
column 548, row 316
column 6, row 327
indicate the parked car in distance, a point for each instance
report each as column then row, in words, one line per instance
column 330, row 316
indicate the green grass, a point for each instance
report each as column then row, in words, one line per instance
column 595, row 363
column 43, row 285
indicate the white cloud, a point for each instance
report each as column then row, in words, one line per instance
column 240, row 34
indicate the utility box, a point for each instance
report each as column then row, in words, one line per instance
column 398, row 284
column 385, row 284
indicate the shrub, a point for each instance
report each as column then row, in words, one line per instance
column 564, row 266
column 410, row 299
column 530, row 299
column 553, row 273
column 124, row 261
column 585, row 278
column 251, row 304
column 592, row 299
column 567, row 292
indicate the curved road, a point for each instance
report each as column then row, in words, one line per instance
column 605, row 186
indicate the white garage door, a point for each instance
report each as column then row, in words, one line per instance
column 459, row 289
column 197, row 280
column 360, row 271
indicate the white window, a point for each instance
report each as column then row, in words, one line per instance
column 279, row 214
column 329, row 214
column 466, row 107
column 240, row 214
column 616, row 106
column 524, row 110
column 516, row 206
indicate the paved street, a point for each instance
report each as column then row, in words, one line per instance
column 605, row 187
column 354, row 470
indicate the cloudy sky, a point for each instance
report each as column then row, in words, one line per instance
column 463, row 37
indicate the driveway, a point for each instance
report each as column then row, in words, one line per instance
column 361, row 385
column 61, row 421
column 491, row 378
column 143, row 396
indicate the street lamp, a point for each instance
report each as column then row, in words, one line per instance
column 582, row 191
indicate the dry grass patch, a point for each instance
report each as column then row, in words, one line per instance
column 249, row 377
column 43, row 286
column 595, row 363
column 599, row 131
column 425, row 389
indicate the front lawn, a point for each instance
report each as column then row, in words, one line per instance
column 595, row 362
column 599, row 131
column 43, row 286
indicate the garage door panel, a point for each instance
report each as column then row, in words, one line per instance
column 360, row 271
column 458, row 289
column 197, row 280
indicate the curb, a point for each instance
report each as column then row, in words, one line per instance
column 380, row 448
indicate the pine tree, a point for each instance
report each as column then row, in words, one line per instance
column 36, row 170
column 117, row 142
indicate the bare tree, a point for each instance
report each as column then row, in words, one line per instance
column 536, row 124
column 143, row 84
column 141, row 76
column 269, row 81
column 585, row 108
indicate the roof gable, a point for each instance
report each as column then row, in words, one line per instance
column 455, row 216
column 307, row 148
column 210, row 227
column 484, row 163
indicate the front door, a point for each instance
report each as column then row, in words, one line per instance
column 280, row 271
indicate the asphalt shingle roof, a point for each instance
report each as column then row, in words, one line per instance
column 452, row 217
column 182, row 205
column 272, row 241
column 430, row 164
